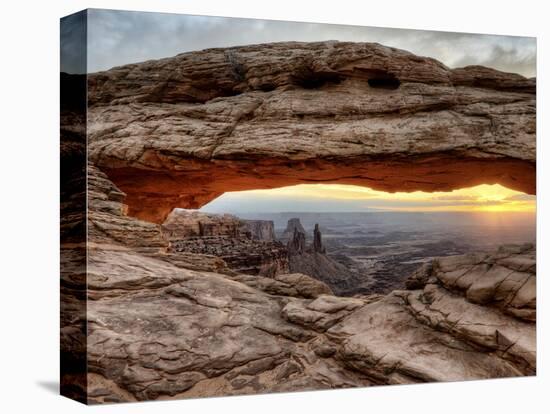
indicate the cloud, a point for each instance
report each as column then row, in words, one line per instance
column 120, row 37
column 230, row 203
column 458, row 197
column 72, row 43
column 521, row 197
column 383, row 203
column 511, row 59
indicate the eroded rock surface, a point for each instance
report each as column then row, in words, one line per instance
column 179, row 132
column 245, row 246
column 158, row 329
column 442, row 330
column 505, row 279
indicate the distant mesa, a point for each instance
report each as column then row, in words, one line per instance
column 246, row 246
column 262, row 230
column 292, row 225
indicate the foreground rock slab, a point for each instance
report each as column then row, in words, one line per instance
column 183, row 333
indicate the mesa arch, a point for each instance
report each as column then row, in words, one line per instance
column 178, row 132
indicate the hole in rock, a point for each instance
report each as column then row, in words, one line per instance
column 314, row 80
column 384, row 80
column 354, row 239
column 267, row 87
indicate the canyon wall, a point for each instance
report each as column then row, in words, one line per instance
column 263, row 230
column 246, row 246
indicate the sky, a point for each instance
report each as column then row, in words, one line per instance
column 120, row 37
column 347, row 198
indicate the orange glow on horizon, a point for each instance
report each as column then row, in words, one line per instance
column 481, row 198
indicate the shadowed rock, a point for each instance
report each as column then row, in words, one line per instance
column 297, row 244
column 317, row 242
column 263, row 230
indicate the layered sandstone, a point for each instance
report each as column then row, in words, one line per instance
column 181, row 224
column 243, row 255
column 257, row 336
column 263, row 230
column 505, row 279
column 245, row 246
column 445, row 318
column 178, row 132
column 193, row 223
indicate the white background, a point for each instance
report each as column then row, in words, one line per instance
column 29, row 218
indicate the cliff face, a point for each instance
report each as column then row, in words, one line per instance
column 245, row 246
column 181, row 224
column 242, row 255
column 179, row 132
column 263, row 230
column 191, row 223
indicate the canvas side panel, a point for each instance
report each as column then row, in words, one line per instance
column 73, row 254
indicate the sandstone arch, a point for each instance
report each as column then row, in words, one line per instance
column 179, row 132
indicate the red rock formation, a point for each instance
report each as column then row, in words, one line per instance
column 179, row 132
column 181, row 224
